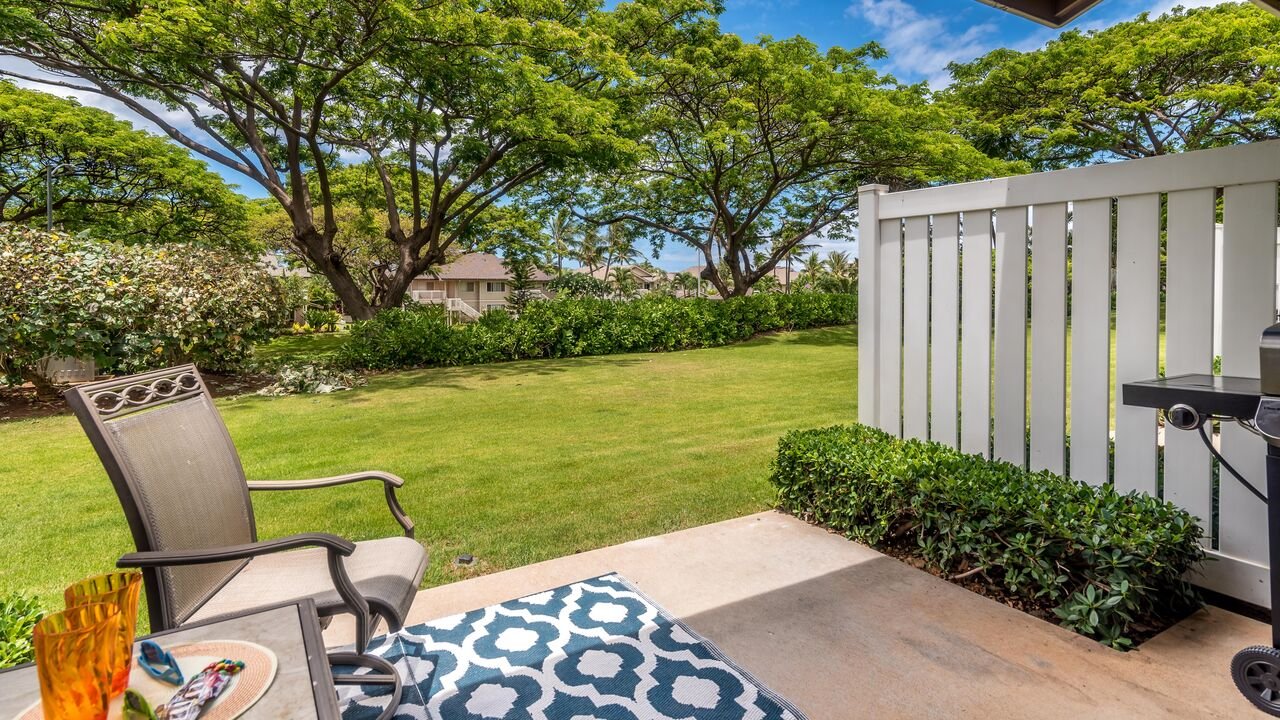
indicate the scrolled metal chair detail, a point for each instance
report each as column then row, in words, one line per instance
column 142, row 391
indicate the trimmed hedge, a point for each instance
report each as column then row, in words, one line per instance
column 1107, row 565
column 561, row 328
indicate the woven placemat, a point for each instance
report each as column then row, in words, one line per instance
column 245, row 688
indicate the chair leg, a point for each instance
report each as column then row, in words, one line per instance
column 384, row 673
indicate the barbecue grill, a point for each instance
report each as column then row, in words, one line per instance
column 1191, row 401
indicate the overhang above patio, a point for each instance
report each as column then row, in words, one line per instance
column 1056, row 13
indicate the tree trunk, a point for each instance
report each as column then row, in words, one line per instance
column 336, row 272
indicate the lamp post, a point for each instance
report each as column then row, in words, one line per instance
column 49, row 172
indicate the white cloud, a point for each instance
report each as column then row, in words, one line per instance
column 1164, row 6
column 922, row 45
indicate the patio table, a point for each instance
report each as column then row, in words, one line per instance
column 303, row 688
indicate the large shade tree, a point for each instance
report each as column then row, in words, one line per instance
column 115, row 181
column 1186, row 80
column 756, row 147
column 467, row 100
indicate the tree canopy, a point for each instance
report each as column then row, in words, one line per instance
column 466, row 100
column 753, row 148
column 111, row 179
column 1187, row 80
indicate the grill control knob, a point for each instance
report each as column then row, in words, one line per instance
column 1183, row 417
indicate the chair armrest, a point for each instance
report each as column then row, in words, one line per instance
column 389, row 484
column 166, row 558
column 386, row 478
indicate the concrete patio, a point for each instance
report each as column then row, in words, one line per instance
column 846, row 632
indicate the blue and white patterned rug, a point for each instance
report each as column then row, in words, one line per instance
column 595, row 649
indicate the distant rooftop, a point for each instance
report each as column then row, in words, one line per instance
column 480, row 266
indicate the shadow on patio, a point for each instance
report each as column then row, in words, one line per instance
column 846, row 632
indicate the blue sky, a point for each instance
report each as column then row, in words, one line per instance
column 921, row 36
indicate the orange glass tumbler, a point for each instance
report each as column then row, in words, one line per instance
column 120, row 589
column 76, row 650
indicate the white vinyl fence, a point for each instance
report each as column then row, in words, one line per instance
column 944, row 352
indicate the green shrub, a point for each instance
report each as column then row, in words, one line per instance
column 571, row 327
column 18, row 617
column 322, row 319
column 1102, row 562
column 128, row 307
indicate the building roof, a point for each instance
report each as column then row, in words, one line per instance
column 639, row 272
column 480, row 266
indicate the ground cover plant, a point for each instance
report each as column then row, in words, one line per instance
column 512, row 463
column 1106, row 565
column 564, row 328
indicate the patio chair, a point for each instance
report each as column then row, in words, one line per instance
column 185, row 496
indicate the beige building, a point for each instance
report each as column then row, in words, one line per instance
column 472, row 284
column 646, row 280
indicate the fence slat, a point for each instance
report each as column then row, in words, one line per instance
column 869, row 312
column 975, row 335
column 1049, row 337
column 1189, row 341
column 945, row 330
column 891, row 326
column 1137, row 336
column 1248, row 297
column 1010, row 362
column 915, row 328
column 1090, row 340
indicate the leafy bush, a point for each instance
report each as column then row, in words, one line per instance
column 1105, row 564
column 580, row 285
column 311, row 379
column 322, row 320
column 128, row 307
column 18, row 617
column 568, row 327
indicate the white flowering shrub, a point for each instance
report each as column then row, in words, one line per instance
column 129, row 307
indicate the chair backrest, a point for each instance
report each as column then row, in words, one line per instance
column 177, row 475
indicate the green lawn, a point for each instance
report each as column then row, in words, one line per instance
column 301, row 348
column 513, row 463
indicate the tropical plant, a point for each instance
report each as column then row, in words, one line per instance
column 579, row 285
column 562, row 227
column 107, row 178
column 591, row 249
column 18, row 617
column 453, row 105
column 1186, row 80
column 624, row 282
column 128, row 307
column 520, row 269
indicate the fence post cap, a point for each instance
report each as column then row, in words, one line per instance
column 875, row 188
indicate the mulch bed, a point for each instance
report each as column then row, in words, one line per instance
column 21, row 402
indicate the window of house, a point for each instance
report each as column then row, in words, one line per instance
column 496, row 287
column 469, row 287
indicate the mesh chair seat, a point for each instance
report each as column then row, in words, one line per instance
column 377, row 567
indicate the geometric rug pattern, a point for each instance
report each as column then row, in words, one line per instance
column 596, row 649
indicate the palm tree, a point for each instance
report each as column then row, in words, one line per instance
column 620, row 247
column 590, row 249
column 624, row 281
column 797, row 249
column 812, row 267
column 563, row 226
column 838, row 263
